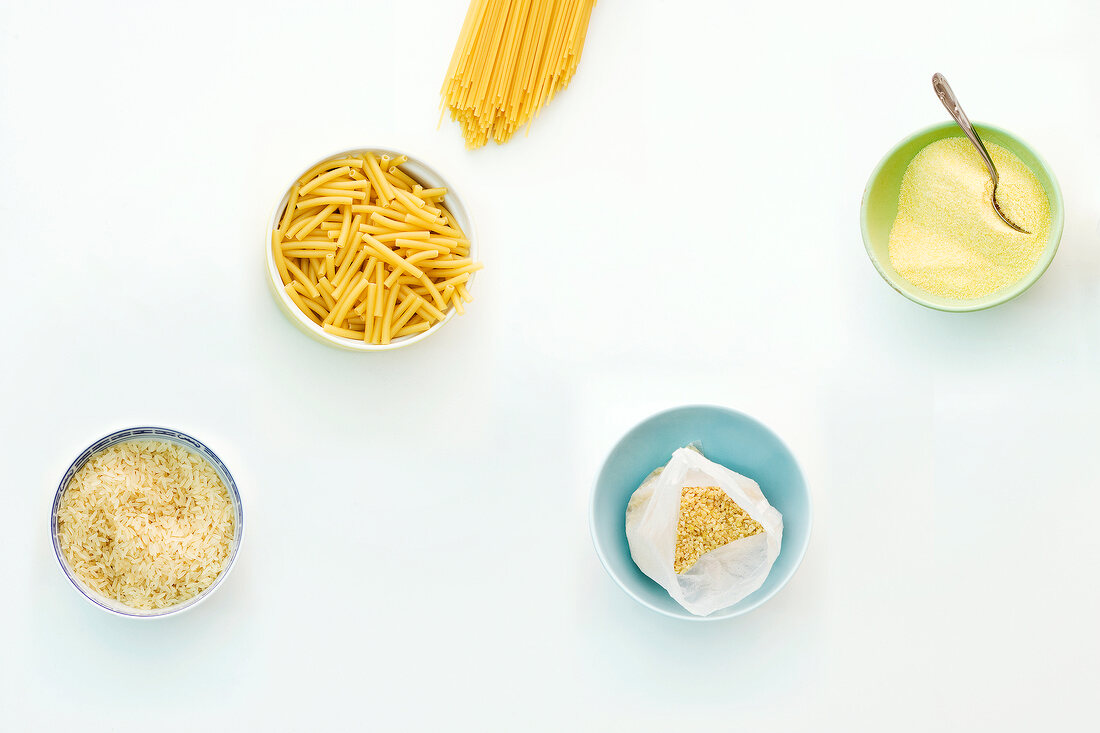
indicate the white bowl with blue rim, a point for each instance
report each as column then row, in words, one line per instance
column 170, row 436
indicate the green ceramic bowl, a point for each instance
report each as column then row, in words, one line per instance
column 880, row 208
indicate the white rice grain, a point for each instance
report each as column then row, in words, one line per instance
column 147, row 523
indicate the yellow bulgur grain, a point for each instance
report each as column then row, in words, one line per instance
column 709, row 519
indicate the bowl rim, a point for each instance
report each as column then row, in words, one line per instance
column 736, row 609
column 147, row 432
column 299, row 318
column 1054, row 239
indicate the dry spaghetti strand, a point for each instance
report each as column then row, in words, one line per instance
column 511, row 58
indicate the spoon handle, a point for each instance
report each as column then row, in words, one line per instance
column 951, row 102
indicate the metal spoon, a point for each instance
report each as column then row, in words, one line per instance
column 951, row 102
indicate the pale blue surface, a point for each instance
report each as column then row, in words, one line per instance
column 727, row 437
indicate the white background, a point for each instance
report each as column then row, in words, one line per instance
column 681, row 226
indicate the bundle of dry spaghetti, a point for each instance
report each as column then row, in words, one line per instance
column 511, row 58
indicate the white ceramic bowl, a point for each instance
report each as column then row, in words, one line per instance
column 427, row 177
column 148, row 433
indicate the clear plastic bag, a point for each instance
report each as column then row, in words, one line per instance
column 722, row 576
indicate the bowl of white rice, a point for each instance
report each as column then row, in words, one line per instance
column 147, row 522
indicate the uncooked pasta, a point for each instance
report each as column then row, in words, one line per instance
column 511, row 58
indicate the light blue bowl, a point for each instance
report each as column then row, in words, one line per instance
column 727, row 437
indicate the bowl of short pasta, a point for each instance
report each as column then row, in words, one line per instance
column 727, row 437
column 953, row 259
column 371, row 249
column 147, row 522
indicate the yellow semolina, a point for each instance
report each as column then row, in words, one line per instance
column 948, row 240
